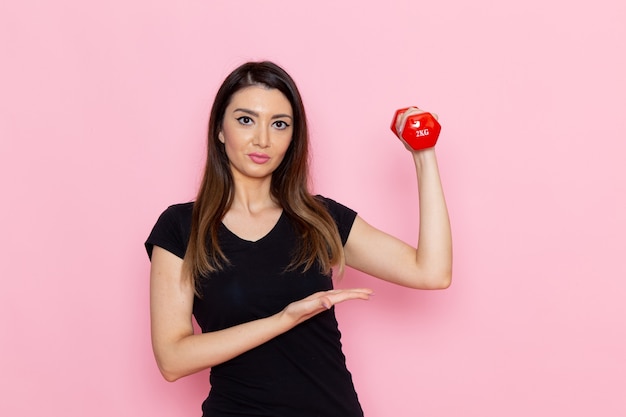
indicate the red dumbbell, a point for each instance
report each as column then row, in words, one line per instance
column 420, row 130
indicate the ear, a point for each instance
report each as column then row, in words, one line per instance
column 220, row 136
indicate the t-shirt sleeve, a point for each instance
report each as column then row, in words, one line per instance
column 344, row 217
column 171, row 231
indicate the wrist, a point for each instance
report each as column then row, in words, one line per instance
column 424, row 156
column 284, row 321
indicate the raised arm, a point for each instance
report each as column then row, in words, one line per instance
column 180, row 352
column 429, row 266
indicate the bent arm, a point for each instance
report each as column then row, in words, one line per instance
column 180, row 352
column 429, row 266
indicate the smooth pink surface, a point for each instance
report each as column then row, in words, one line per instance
column 103, row 114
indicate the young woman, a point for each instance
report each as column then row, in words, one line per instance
column 252, row 260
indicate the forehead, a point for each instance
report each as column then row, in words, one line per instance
column 260, row 99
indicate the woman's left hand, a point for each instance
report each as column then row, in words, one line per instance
column 400, row 124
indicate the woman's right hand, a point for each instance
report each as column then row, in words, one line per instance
column 304, row 309
column 180, row 352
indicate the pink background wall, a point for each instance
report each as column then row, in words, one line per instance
column 103, row 113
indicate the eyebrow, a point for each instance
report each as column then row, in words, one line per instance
column 255, row 114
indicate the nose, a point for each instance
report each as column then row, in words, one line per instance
column 262, row 138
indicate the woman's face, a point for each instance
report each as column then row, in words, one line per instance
column 256, row 132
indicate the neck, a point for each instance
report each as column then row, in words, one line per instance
column 252, row 195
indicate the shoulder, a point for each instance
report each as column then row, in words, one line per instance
column 180, row 210
column 172, row 229
column 342, row 215
column 177, row 215
column 333, row 207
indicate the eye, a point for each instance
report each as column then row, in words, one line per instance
column 281, row 125
column 244, row 120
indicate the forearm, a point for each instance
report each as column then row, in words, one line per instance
column 195, row 352
column 434, row 250
column 189, row 353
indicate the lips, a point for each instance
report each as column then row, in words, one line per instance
column 259, row 158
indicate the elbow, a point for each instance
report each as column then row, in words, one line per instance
column 439, row 280
column 169, row 370
column 173, row 367
column 443, row 279
column 442, row 282
column 169, row 374
column 433, row 273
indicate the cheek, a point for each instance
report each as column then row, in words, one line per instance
column 290, row 145
column 228, row 145
column 229, row 150
column 285, row 152
column 232, row 139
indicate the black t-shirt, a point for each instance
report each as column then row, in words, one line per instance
column 299, row 373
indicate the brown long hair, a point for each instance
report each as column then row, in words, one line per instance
column 319, row 237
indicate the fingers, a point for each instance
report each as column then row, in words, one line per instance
column 329, row 298
column 314, row 304
column 401, row 122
